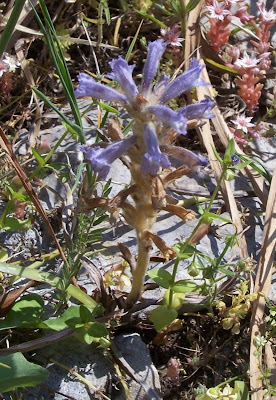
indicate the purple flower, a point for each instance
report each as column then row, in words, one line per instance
column 122, row 73
column 153, row 159
column 198, row 110
column 170, row 117
column 155, row 52
column 101, row 158
column 89, row 87
column 187, row 80
column 235, row 159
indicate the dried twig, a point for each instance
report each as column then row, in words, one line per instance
column 262, row 284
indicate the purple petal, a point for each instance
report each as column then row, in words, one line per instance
column 155, row 52
column 161, row 85
column 184, row 157
column 101, row 158
column 198, row 110
column 122, row 73
column 170, row 117
column 153, row 159
column 187, row 80
column 89, row 87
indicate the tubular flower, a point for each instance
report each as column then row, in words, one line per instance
column 146, row 105
column 102, row 158
column 88, row 87
column 153, row 159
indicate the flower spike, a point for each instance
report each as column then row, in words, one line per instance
column 89, row 87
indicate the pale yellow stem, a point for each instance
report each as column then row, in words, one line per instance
column 138, row 275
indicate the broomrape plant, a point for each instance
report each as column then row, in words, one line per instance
column 146, row 146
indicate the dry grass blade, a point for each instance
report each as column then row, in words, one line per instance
column 19, row 46
column 192, row 38
column 35, row 33
column 262, row 284
column 227, row 192
column 38, row 343
column 29, row 189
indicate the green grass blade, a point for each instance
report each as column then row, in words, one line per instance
column 56, row 53
column 7, row 32
column 74, row 126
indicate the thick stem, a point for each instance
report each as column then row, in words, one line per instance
column 138, row 275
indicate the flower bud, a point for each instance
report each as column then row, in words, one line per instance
column 192, row 269
column 229, row 175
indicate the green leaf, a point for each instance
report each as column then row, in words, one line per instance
column 162, row 316
column 184, row 286
column 21, row 373
column 230, row 273
column 3, row 255
column 26, row 313
column 15, row 224
column 107, row 107
column 220, row 66
column 243, row 165
column 216, row 216
column 151, row 18
column 85, row 314
column 185, row 250
column 162, row 277
column 50, row 279
column 96, row 329
column 62, row 322
column 216, row 154
column 10, row 25
column 38, row 157
column 242, row 390
column 230, row 151
column 72, row 125
column 191, row 5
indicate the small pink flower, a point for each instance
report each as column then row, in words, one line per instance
column 264, row 15
column 243, row 123
column 246, row 61
column 171, row 35
column 218, row 11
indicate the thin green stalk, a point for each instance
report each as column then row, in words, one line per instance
column 234, row 378
column 213, row 197
column 9, row 28
column 183, row 17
